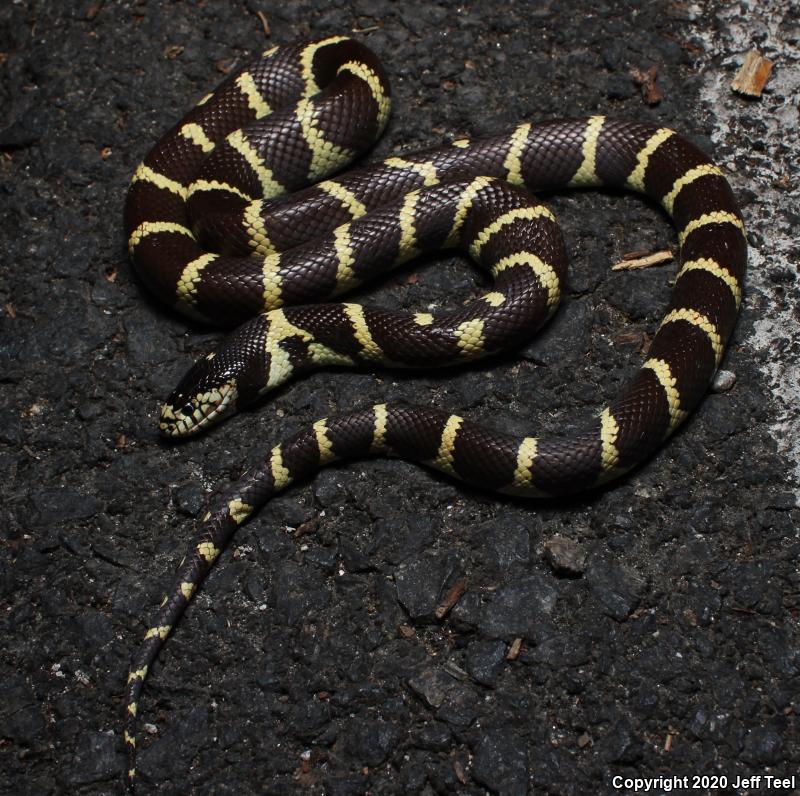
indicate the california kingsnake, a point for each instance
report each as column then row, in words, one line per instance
column 212, row 232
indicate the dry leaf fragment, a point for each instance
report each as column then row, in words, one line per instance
column 264, row 23
column 634, row 260
column 461, row 774
column 646, row 81
column 514, row 650
column 451, row 598
column 225, row 65
column 307, row 527
column 406, row 631
column 752, row 75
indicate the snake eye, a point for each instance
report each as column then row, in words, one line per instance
column 188, row 409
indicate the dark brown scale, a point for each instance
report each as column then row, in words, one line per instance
column 353, row 121
column 405, row 342
column 309, row 273
column 519, row 236
column 222, row 296
column 553, row 155
column 700, row 197
column 642, row 415
column 414, row 432
column 173, row 250
column 483, row 457
column 618, row 146
column 291, row 226
column 673, row 158
column 147, row 201
column 328, row 60
column 569, row 464
column 328, row 324
column 723, row 243
column 481, row 157
column 525, row 306
column 230, row 288
column 376, row 247
column 699, row 291
column 690, row 356
column 352, row 434
column 301, row 455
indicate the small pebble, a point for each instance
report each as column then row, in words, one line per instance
column 723, row 381
column 565, row 556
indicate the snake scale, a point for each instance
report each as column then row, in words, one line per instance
column 224, row 222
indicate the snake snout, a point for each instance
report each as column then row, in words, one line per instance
column 184, row 414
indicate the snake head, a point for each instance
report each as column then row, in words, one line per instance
column 205, row 395
column 219, row 383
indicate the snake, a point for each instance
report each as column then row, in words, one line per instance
column 241, row 216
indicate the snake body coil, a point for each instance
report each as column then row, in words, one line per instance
column 213, row 232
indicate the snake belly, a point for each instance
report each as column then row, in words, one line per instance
column 233, row 218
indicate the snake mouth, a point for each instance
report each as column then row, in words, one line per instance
column 184, row 416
